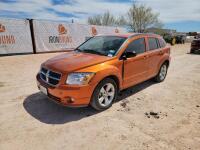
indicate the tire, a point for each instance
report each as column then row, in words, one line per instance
column 192, row 51
column 162, row 73
column 102, row 98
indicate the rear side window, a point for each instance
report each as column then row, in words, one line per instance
column 162, row 43
column 137, row 45
column 153, row 44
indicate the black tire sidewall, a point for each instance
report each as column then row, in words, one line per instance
column 94, row 99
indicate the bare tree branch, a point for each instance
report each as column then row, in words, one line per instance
column 141, row 17
column 106, row 19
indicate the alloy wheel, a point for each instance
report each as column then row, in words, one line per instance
column 163, row 72
column 106, row 94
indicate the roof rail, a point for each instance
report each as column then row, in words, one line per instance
column 148, row 34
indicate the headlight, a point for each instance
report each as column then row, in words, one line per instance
column 79, row 78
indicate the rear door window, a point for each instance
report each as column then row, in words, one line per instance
column 153, row 44
column 162, row 43
column 137, row 45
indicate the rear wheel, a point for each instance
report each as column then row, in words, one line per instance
column 162, row 73
column 104, row 94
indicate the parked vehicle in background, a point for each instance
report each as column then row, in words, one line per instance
column 195, row 46
column 180, row 39
column 98, row 69
column 197, row 36
column 171, row 39
column 189, row 39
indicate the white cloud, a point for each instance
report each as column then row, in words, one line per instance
column 170, row 10
column 175, row 10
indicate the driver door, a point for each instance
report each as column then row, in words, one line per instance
column 136, row 67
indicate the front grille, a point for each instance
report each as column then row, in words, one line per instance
column 50, row 77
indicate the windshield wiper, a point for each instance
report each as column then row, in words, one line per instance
column 92, row 52
column 78, row 50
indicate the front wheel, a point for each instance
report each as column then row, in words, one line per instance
column 104, row 94
column 162, row 73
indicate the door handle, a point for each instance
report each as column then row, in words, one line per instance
column 161, row 53
column 146, row 56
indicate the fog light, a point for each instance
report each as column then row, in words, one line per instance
column 69, row 100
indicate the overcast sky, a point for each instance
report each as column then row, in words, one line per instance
column 182, row 15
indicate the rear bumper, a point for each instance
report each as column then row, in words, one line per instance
column 73, row 96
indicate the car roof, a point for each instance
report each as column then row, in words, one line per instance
column 129, row 35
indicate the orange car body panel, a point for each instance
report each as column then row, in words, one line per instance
column 128, row 73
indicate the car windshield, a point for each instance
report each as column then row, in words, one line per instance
column 102, row 45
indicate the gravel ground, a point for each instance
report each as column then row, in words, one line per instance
column 146, row 116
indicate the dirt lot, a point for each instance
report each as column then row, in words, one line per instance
column 28, row 120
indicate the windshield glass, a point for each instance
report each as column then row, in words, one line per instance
column 102, row 45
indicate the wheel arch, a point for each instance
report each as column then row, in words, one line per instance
column 167, row 62
column 165, row 59
column 162, row 62
column 110, row 72
column 116, row 79
column 113, row 77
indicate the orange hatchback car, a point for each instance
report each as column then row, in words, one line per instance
column 98, row 69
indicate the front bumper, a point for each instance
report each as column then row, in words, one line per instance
column 67, row 95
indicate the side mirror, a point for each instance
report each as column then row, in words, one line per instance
column 131, row 54
column 124, row 57
column 128, row 55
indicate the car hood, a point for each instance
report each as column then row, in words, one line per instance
column 72, row 61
